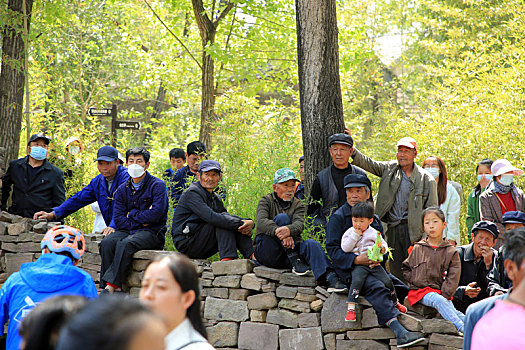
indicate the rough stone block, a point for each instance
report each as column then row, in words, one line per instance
column 40, row 227
column 301, row 338
column 440, row 347
column 6, row 238
column 232, row 267
column 207, row 275
column 447, row 340
column 3, row 228
column 411, row 322
column 258, row 336
column 221, row 293
column 225, row 310
column 295, row 305
column 91, row 258
column 360, row 345
column 258, row 316
column 269, row 273
column 282, row 317
column 93, row 247
column 231, row 281
column 311, row 319
column 3, row 277
column 374, row 333
column 317, row 305
column 252, row 282
column 135, row 278
column 322, row 291
column 333, row 315
column 150, row 254
column 329, row 341
column 6, row 217
column 262, row 301
column 223, row 334
column 292, row 279
column 438, row 325
column 305, row 297
column 268, row 287
column 321, row 296
column 306, row 290
column 17, row 228
column 239, row 294
column 205, row 283
column 369, row 318
column 14, row 261
column 424, row 343
column 420, row 309
column 139, row 264
column 286, row 292
column 134, row 292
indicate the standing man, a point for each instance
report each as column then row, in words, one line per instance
column 328, row 186
column 101, row 189
column 404, row 192
column 195, row 152
column 37, row 184
column 358, row 189
column 299, row 191
column 141, row 205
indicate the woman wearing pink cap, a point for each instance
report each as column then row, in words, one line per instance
column 501, row 195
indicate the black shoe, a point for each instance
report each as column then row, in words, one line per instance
column 334, row 284
column 299, row 267
column 409, row 339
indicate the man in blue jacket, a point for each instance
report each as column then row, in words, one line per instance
column 101, row 189
column 181, row 180
column 141, row 205
column 54, row 273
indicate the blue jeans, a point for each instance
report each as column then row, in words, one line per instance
column 445, row 309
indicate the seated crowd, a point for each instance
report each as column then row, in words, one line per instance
column 405, row 243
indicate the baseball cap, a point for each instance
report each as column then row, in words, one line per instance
column 209, row 165
column 301, row 158
column 40, row 135
column 196, row 147
column 502, row 166
column 488, row 226
column 357, row 180
column 283, row 175
column 107, row 153
column 341, row 138
column 407, row 142
column 514, row 217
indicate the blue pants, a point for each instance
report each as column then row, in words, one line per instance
column 445, row 308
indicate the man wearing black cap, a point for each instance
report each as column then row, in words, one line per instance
column 201, row 224
column 37, row 184
column 358, row 189
column 328, row 186
column 477, row 259
column 101, row 189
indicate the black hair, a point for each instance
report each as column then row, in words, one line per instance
column 486, row 162
column 41, row 327
column 196, row 147
column 514, row 245
column 433, row 210
column 177, row 153
column 106, row 323
column 363, row 210
column 184, row 273
column 137, row 151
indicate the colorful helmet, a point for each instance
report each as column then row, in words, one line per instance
column 65, row 238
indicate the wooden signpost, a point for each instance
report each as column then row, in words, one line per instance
column 115, row 124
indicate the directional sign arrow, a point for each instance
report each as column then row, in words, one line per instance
column 105, row 112
column 127, row 124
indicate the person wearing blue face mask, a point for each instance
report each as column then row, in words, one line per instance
column 484, row 176
column 501, row 195
column 37, row 184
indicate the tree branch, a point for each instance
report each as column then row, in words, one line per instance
column 226, row 46
column 223, row 14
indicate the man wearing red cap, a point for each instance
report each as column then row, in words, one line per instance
column 404, row 192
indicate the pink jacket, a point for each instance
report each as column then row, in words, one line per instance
column 354, row 243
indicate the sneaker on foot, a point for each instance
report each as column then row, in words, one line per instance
column 334, row 284
column 350, row 315
column 409, row 339
column 299, row 267
column 402, row 308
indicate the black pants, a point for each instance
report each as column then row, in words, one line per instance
column 398, row 238
column 116, row 252
column 360, row 273
column 206, row 240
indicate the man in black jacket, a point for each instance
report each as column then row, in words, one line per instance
column 37, row 184
column 202, row 226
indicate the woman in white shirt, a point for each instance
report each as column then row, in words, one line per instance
column 170, row 287
column 448, row 197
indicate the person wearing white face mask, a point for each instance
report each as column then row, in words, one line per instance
column 501, row 196
column 37, row 184
column 139, row 214
column 448, row 198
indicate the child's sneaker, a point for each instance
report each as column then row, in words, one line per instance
column 402, row 308
column 350, row 315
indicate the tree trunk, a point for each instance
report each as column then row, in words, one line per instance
column 319, row 86
column 12, row 80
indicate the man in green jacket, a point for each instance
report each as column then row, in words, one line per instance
column 405, row 190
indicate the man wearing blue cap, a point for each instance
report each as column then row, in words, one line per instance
column 101, row 189
column 201, row 224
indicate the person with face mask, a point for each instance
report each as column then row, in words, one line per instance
column 501, row 196
column 139, row 214
column 484, row 177
column 448, row 198
column 280, row 223
column 36, row 183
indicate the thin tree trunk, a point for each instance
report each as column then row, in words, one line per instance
column 319, row 85
column 12, row 80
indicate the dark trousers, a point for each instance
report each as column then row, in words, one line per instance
column 380, row 297
column 398, row 238
column 206, row 240
column 270, row 252
column 117, row 249
column 360, row 273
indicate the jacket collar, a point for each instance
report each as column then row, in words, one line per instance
column 444, row 243
column 145, row 181
column 468, row 255
column 46, row 164
column 347, row 209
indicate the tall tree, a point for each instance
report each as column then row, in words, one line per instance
column 319, row 86
column 12, row 77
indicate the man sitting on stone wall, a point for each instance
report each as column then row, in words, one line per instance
column 280, row 223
